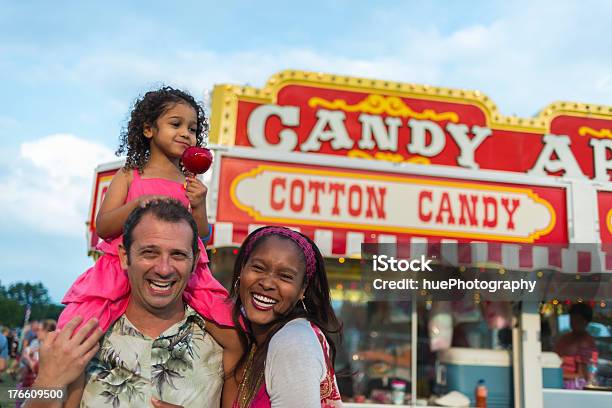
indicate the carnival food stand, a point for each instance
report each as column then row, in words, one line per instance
column 349, row 161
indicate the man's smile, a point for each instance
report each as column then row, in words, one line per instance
column 159, row 287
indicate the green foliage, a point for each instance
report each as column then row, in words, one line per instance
column 28, row 293
column 13, row 301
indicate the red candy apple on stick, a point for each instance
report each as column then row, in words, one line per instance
column 196, row 160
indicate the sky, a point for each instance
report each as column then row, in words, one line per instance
column 71, row 70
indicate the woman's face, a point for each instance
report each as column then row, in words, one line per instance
column 271, row 281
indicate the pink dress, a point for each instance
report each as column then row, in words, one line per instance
column 103, row 290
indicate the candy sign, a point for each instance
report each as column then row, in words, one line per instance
column 268, row 192
column 380, row 120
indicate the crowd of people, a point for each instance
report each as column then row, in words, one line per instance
column 19, row 354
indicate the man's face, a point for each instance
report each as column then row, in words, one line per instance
column 160, row 263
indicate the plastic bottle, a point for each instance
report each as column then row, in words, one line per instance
column 398, row 392
column 592, row 369
column 481, row 394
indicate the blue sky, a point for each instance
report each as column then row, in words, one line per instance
column 70, row 71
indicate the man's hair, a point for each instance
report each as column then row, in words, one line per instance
column 168, row 210
column 583, row 310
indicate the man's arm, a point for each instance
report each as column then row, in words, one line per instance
column 63, row 358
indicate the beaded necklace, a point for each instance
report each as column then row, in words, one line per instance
column 247, row 389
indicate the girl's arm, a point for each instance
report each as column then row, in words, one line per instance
column 196, row 194
column 233, row 349
column 114, row 210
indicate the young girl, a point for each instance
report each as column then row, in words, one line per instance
column 163, row 124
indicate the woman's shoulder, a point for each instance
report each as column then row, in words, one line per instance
column 298, row 332
column 294, row 347
column 296, row 339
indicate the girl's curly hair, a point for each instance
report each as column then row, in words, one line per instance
column 146, row 111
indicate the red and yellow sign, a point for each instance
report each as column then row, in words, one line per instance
column 604, row 203
column 265, row 192
column 382, row 120
column 101, row 183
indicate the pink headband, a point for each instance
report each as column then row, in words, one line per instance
column 296, row 237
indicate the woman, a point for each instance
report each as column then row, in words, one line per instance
column 280, row 289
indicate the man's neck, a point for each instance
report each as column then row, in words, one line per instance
column 154, row 322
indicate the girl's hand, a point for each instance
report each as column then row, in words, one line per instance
column 196, row 192
column 149, row 198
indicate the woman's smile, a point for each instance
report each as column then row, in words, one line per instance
column 262, row 302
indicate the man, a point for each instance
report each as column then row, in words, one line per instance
column 158, row 350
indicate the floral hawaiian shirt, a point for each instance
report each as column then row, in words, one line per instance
column 183, row 366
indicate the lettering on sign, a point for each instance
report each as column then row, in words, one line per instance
column 293, row 195
column 382, row 120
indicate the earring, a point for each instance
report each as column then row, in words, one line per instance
column 304, row 305
column 242, row 311
column 236, row 285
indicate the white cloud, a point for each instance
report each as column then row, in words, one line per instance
column 49, row 184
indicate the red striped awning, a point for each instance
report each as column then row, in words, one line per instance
column 338, row 243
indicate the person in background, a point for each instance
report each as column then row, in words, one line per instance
column 29, row 356
column 577, row 347
column 392, row 361
column 30, row 333
column 4, row 352
column 13, row 345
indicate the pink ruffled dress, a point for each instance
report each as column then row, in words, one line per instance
column 103, row 290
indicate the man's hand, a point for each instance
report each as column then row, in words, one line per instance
column 63, row 358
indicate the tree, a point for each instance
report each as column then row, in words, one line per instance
column 28, row 293
column 13, row 303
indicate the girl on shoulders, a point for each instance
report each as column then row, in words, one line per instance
column 163, row 123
